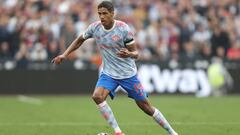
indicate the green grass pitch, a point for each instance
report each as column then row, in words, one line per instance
column 78, row 115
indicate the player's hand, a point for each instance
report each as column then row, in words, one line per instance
column 123, row 53
column 59, row 59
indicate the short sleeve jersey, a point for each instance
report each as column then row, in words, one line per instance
column 110, row 42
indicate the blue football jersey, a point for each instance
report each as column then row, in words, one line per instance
column 110, row 42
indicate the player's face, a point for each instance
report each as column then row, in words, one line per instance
column 105, row 16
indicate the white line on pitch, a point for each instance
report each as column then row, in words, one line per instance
column 30, row 100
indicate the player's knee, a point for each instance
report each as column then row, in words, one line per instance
column 151, row 111
column 97, row 98
column 148, row 111
column 146, row 108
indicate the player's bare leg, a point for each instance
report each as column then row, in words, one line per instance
column 99, row 96
column 156, row 114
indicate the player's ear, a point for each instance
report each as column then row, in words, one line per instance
column 112, row 13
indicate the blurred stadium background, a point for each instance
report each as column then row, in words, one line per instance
column 188, row 48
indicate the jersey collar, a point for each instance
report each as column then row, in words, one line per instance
column 108, row 30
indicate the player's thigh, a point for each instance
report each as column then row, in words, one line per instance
column 101, row 92
column 134, row 88
column 105, row 85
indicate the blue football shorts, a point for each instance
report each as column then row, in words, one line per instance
column 132, row 85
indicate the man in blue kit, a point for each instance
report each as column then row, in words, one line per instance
column 118, row 49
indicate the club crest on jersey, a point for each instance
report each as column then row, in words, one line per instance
column 115, row 37
column 98, row 38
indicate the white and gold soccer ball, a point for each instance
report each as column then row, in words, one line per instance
column 102, row 134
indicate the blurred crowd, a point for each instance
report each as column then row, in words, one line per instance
column 38, row 30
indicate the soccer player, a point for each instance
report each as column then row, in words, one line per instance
column 118, row 49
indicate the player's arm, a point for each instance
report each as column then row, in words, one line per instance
column 74, row 45
column 129, row 51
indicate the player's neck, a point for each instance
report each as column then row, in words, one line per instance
column 110, row 26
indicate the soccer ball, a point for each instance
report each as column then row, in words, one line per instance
column 102, row 134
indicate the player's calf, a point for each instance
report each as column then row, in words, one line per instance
column 157, row 116
column 161, row 120
column 146, row 107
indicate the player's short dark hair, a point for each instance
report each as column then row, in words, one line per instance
column 106, row 4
